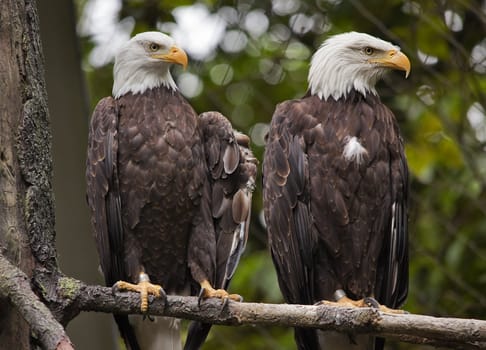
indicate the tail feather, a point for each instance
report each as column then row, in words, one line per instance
column 306, row 339
column 161, row 333
column 196, row 336
column 379, row 343
column 126, row 332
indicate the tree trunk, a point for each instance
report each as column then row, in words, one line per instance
column 26, row 204
column 69, row 114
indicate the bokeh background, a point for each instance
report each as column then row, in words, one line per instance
column 245, row 57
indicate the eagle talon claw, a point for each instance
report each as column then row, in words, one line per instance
column 371, row 302
column 200, row 297
column 149, row 317
column 343, row 300
column 162, row 295
column 207, row 291
column 224, row 304
column 147, row 290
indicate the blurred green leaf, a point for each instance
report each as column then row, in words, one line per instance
column 447, row 159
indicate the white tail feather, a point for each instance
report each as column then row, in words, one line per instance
column 163, row 333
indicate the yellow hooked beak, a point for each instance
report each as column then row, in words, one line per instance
column 394, row 59
column 175, row 55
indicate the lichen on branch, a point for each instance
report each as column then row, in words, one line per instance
column 437, row 331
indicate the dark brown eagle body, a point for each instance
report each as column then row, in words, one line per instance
column 336, row 222
column 160, row 169
column 167, row 195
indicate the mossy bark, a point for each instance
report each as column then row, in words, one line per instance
column 26, row 202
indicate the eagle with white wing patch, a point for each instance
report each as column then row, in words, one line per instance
column 169, row 191
column 335, row 188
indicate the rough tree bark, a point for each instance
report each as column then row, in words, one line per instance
column 452, row 333
column 26, row 203
column 36, row 300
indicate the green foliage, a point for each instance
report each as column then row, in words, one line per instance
column 445, row 150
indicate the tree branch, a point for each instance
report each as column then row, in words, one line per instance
column 437, row 331
column 15, row 286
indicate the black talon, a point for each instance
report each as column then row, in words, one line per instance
column 224, row 303
column 150, row 317
column 163, row 294
column 114, row 288
column 200, row 297
column 371, row 302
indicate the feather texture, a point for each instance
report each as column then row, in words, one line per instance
column 233, row 171
column 335, row 224
column 169, row 193
column 335, row 184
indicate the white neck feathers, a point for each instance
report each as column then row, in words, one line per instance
column 137, row 79
column 135, row 73
column 338, row 66
column 328, row 79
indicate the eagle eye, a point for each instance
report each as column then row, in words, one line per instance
column 368, row 50
column 154, row 47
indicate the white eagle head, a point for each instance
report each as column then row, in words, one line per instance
column 353, row 61
column 143, row 63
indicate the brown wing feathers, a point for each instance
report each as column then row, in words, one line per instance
column 103, row 198
column 292, row 237
column 232, row 168
column 333, row 223
column 103, row 191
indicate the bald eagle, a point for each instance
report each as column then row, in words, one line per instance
column 335, row 187
column 169, row 191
